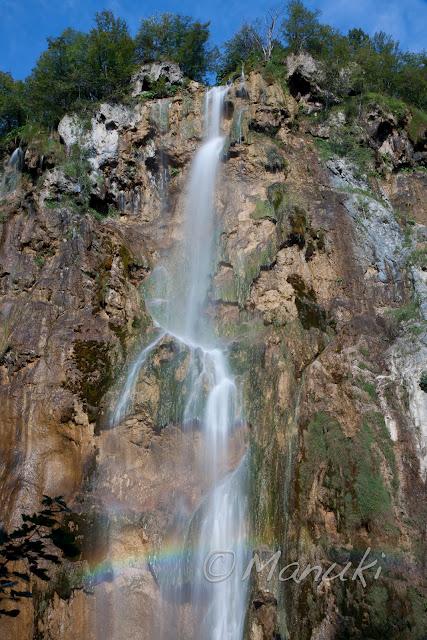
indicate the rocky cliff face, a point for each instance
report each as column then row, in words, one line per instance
column 320, row 292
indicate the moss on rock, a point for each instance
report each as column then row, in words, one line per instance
column 94, row 373
column 350, row 470
column 248, row 265
column 310, row 313
column 264, row 211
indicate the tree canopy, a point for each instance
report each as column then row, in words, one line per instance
column 80, row 69
column 177, row 38
column 301, row 27
column 12, row 103
column 378, row 62
column 239, row 50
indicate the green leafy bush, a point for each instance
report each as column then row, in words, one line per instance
column 406, row 313
column 417, row 127
column 418, row 258
column 345, row 144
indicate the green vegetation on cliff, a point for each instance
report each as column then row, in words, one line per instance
column 177, row 38
column 355, row 61
column 349, row 469
column 78, row 69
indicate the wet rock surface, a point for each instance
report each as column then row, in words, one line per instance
column 319, row 291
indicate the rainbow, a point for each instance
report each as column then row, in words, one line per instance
column 170, row 557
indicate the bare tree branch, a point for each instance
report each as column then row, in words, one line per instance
column 266, row 31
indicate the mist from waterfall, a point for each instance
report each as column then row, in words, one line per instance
column 176, row 298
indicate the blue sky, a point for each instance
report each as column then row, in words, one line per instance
column 25, row 24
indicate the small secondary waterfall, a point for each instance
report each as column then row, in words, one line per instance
column 177, row 300
column 12, row 172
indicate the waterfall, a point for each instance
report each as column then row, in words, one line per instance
column 122, row 407
column 177, row 300
column 239, row 125
column 241, row 90
column 12, row 172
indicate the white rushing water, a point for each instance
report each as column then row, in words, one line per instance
column 177, row 300
column 12, row 172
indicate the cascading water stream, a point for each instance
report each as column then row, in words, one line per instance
column 12, row 172
column 177, row 303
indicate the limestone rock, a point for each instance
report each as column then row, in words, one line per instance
column 313, row 295
column 306, row 78
column 152, row 72
column 101, row 138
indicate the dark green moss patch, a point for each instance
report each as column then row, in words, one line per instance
column 275, row 194
column 131, row 265
column 297, row 220
column 264, row 211
column 68, row 579
column 350, row 469
column 94, row 373
column 368, row 387
column 275, row 162
column 294, row 227
column 310, row 313
column 384, row 609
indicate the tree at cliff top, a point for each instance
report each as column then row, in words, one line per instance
column 78, row 68
column 30, row 549
column 377, row 63
column 253, row 45
column 241, row 49
column 13, row 111
column 176, row 38
column 110, row 56
column 301, row 28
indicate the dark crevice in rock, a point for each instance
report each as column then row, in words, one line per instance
column 228, row 110
column 292, row 240
column 241, row 92
column 141, row 142
column 98, row 204
column 402, row 167
column 298, row 85
column 233, row 152
column 385, row 129
column 269, row 130
column 152, row 164
column 227, row 303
